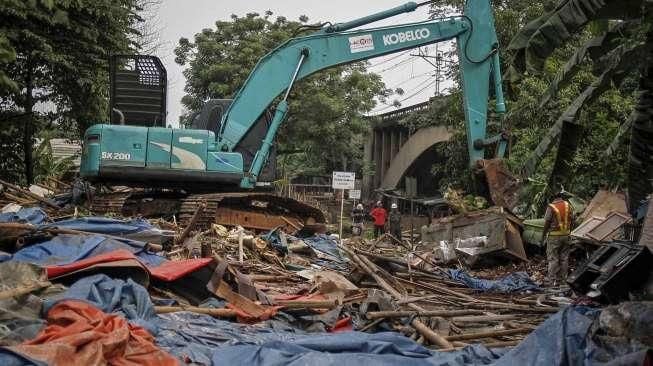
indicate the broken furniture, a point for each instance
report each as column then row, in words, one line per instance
column 613, row 271
column 496, row 224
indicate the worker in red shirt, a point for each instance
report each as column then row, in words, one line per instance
column 380, row 215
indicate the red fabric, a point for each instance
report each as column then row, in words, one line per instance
column 174, row 270
column 80, row 334
column 168, row 271
column 380, row 215
column 118, row 255
column 342, row 325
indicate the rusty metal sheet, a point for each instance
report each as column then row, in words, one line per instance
column 504, row 187
column 254, row 220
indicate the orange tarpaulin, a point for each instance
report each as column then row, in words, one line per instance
column 80, row 334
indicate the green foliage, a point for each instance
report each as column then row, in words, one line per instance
column 46, row 165
column 56, row 52
column 325, row 124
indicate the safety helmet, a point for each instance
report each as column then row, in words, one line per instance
column 359, row 206
column 394, row 205
column 379, row 203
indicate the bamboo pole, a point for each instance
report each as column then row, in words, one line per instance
column 492, row 334
column 30, row 194
column 218, row 313
column 407, row 314
column 424, row 330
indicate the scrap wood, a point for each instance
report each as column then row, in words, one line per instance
column 506, row 306
column 492, row 334
column 308, row 304
column 424, row 330
column 485, row 318
column 218, row 313
column 192, row 223
column 29, row 194
column 429, row 313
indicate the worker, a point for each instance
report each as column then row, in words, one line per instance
column 395, row 221
column 556, row 231
column 357, row 219
column 380, row 215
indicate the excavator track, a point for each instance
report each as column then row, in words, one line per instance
column 254, row 211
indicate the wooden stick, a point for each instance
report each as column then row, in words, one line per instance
column 485, row 318
column 371, row 325
column 270, row 278
column 427, row 332
column 492, row 334
column 290, row 223
column 518, row 308
column 488, row 345
column 192, row 223
column 309, row 304
column 218, row 313
column 30, row 194
column 406, row 314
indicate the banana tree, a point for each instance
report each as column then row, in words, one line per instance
column 623, row 49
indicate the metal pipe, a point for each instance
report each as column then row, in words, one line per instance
column 340, row 27
column 122, row 116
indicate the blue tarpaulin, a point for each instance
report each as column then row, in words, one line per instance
column 30, row 215
column 514, row 282
column 567, row 338
column 66, row 249
column 104, row 225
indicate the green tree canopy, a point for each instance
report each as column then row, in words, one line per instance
column 56, row 52
column 324, row 126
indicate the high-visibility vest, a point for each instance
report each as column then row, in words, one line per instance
column 562, row 212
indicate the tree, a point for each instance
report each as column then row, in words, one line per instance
column 56, row 53
column 619, row 52
column 325, row 121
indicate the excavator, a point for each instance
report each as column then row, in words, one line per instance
column 230, row 151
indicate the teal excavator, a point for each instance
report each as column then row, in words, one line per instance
column 230, row 144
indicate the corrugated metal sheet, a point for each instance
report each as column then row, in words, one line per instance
column 64, row 148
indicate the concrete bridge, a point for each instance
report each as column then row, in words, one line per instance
column 394, row 151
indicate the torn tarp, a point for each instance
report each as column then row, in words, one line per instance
column 351, row 348
column 570, row 337
column 66, row 249
column 136, row 229
column 30, row 215
column 80, row 333
column 514, row 282
column 68, row 254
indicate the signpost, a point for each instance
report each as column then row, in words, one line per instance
column 343, row 181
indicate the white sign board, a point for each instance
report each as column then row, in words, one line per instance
column 344, row 180
column 355, row 194
column 361, row 43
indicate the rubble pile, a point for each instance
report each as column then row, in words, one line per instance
column 166, row 293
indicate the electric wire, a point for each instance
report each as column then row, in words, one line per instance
column 390, row 59
column 432, row 82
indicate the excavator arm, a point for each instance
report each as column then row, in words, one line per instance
column 335, row 45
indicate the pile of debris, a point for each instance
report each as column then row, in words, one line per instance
column 160, row 292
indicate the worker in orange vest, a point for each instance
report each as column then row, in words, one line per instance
column 557, row 226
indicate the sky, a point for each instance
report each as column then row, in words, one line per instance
column 185, row 18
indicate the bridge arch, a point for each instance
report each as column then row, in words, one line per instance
column 416, row 145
